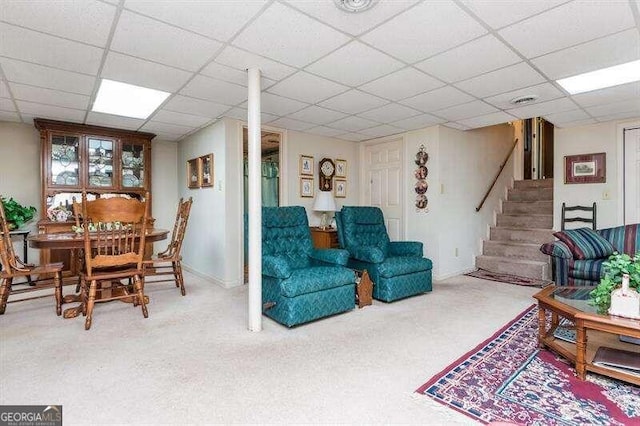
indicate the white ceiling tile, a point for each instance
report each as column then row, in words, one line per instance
column 500, row 13
column 173, row 129
column 352, row 23
column 424, row 30
column 437, row 99
column 242, row 60
column 566, row 117
column 291, row 124
column 418, row 122
column 269, row 36
column 307, row 87
column 6, row 105
column 456, row 126
column 149, row 39
column 353, row 102
column 324, row 131
column 355, row 64
column 317, row 115
column 602, row 53
column 50, row 111
column 143, row 73
column 4, row 90
column 353, row 137
column 488, row 120
column 502, row 80
column 476, row 57
column 38, row 75
column 13, row 116
column 217, row 19
column 194, row 106
column 241, row 114
column 380, row 131
column 116, row 121
column 631, row 105
column 49, row 97
column 215, row 90
column 401, row 84
column 88, row 21
column 542, row 108
column 634, row 114
column 575, row 123
column 459, row 112
column 32, row 46
column 389, row 113
column 274, row 104
column 232, row 75
column 609, row 95
column 353, row 124
column 544, row 92
column 172, row 117
column 566, row 25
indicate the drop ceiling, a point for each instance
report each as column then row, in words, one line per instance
column 402, row 65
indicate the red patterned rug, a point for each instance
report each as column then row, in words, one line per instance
column 506, row 378
column 508, row 278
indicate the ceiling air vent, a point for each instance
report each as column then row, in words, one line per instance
column 524, row 100
column 355, row 6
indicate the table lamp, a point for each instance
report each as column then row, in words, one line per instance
column 324, row 203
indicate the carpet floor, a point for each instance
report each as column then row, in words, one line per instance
column 507, row 379
column 193, row 360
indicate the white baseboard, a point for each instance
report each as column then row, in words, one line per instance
column 212, row 279
column 454, row 274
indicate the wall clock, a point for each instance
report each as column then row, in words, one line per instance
column 327, row 169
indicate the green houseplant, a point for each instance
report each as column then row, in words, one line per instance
column 617, row 265
column 16, row 213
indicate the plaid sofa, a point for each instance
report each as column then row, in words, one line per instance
column 570, row 271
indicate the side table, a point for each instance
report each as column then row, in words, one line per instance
column 324, row 238
column 364, row 290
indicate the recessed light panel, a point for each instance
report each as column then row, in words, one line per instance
column 127, row 100
column 606, row 77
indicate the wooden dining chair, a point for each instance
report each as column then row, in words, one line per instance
column 114, row 252
column 169, row 262
column 13, row 267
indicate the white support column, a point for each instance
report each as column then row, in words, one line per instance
column 255, row 202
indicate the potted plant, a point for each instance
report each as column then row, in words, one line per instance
column 16, row 213
column 617, row 265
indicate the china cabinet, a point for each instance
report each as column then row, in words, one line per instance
column 102, row 161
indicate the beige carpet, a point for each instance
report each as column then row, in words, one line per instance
column 193, row 360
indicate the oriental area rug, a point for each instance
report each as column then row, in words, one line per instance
column 508, row 379
column 508, row 278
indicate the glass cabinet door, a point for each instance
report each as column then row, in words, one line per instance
column 100, row 162
column 133, row 165
column 64, row 161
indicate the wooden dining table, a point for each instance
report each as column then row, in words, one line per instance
column 72, row 241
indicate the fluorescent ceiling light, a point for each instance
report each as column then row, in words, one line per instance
column 127, row 100
column 606, row 77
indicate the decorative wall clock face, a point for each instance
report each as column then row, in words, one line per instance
column 326, row 170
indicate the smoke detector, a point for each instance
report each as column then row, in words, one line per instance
column 355, row 6
column 524, row 100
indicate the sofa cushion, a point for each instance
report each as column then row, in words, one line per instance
column 586, row 269
column 401, row 265
column 585, row 243
column 316, row 278
column 625, row 239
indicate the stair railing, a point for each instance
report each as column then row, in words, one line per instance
column 504, row 163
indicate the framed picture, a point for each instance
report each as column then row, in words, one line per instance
column 340, row 186
column 341, row 168
column 306, row 187
column 193, row 173
column 206, row 170
column 306, row 165
column 585, row 168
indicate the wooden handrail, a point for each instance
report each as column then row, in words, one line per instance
column 504, row 163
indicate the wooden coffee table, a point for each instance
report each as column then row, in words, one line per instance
column 592, row 329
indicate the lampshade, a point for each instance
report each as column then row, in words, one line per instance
column 324, row 202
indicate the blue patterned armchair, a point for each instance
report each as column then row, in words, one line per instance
column 396, row 268
column 304, row 283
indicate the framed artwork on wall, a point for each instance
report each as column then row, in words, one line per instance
column 206, row 170
column 585, row 168
column 306, row 187
column 306, row 165
column 340, row 188
column 341, row 168
column 193, row 173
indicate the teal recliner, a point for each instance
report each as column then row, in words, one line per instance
column 301, row 282
column 396, row 268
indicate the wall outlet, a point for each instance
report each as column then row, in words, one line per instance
column 442, row 188
column 220, row 185
column 606, row 195
column 456, row 251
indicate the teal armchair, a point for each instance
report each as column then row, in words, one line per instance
column 301, row 282
column 397, row 268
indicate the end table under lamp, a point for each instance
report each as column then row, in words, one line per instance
column 324, row 203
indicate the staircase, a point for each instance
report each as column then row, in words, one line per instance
column 525, row 223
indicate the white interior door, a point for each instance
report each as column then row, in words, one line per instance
column 383, row 183
column 631, row 176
